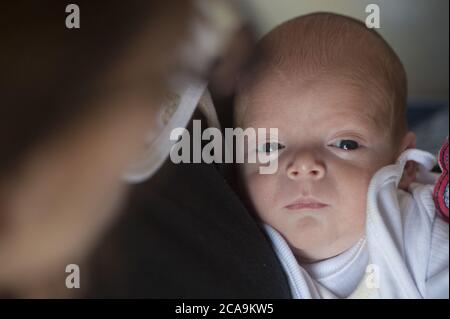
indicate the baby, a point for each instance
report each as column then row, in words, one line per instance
column 349, row 210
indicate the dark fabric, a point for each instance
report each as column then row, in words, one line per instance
column 185, row 234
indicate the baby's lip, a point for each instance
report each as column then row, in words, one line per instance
column 306, row 203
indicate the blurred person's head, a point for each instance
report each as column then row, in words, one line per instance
column 77, row 105
column 336, row 92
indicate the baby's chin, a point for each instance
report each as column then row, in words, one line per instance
column 311, row 247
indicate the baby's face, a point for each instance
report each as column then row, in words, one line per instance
column 328, row 150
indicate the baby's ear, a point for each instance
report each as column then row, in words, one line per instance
column 409, row 173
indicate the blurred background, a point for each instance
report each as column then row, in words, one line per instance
column 417, row 30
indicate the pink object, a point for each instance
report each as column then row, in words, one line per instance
column 440, row 194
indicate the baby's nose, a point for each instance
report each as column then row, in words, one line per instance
column 306, row 166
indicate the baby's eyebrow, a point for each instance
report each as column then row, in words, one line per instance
column 361, row 124
column 362, row 119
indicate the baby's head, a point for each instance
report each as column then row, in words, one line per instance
column 336, row 92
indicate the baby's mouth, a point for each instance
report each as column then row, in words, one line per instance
column 306, row 203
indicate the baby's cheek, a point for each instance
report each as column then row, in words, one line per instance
column 260, row 189
column 355, row 177
column 355, row 185
column 359, row 182
column 360, row 201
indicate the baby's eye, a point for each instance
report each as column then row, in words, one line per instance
column 347, row 145
column 270, row 147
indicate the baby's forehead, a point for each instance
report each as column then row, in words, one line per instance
column 322, row 100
